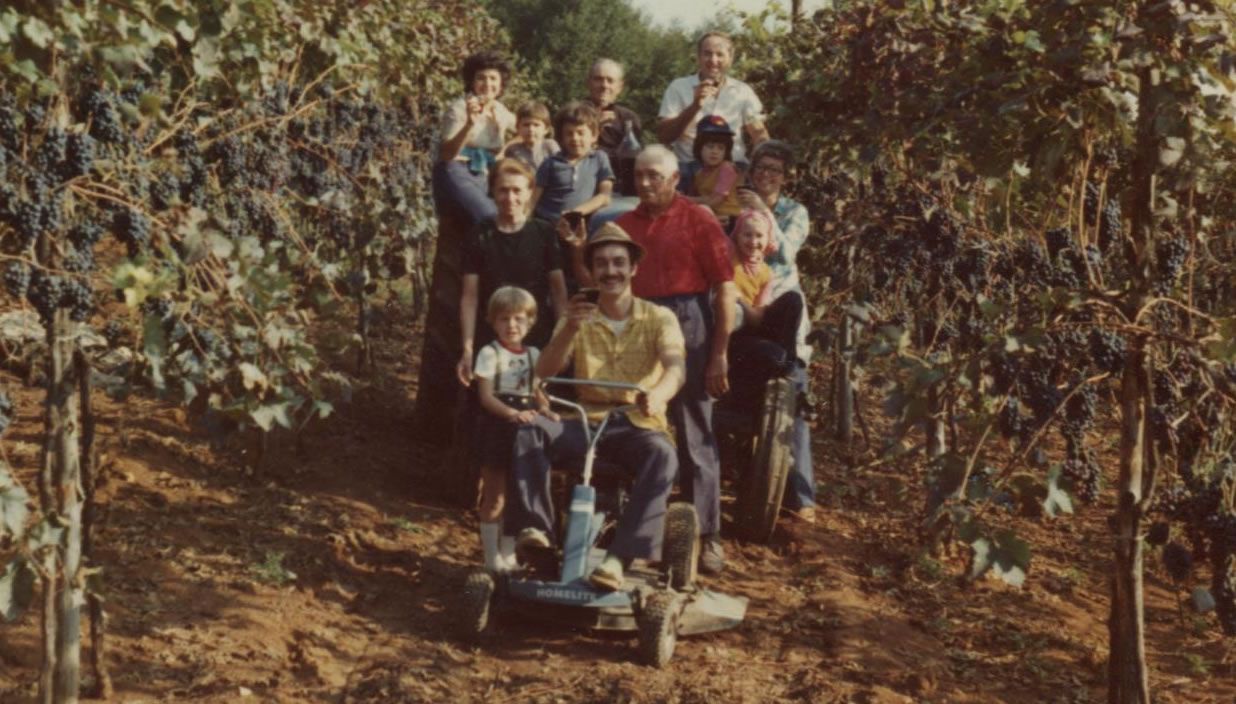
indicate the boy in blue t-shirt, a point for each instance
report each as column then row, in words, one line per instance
column 577, row 179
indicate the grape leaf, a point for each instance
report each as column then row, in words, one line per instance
column 16, row 589
column 1004, row 554
column 13, row 498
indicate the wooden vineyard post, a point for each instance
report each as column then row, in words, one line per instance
column 844, row 401
column 1128, row 681
column 89, row 471
column 63, row 411
column 62, row 497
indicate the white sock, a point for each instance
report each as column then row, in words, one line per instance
column 506, row 553
column 489, row 546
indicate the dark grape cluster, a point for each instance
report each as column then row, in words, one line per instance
column 1091, row 203
column 51, row 152
column 44, row 294
column 1170, row 258
column 75, row 295
column 86, row 234
column 78, row 156
column 1107, row 156
column 78, row 260
column 1112, row 227
column 229, row 157
column 17, row 279
column 28, row 221
column 116, row 333
column 1107, row 350
column 1082, row 472
column 105, row 124
column 1058, row 239
column 164, row 191
column 132, row 228
column 1080, row 410
column 10, row 127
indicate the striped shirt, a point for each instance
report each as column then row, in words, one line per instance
column 632, row 356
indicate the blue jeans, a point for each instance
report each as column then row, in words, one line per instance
column 800, row 485
column 458, row 193
column 690, row 412
column 648, row 455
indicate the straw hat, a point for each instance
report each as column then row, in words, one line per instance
column 610, row 233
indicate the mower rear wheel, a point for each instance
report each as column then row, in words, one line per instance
column 657, row 621
column 478, row 596
column 680, row 549
column 759, row 504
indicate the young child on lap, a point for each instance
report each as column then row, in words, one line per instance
column 508, row 394
column 761, row 316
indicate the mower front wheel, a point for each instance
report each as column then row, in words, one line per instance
column 680, row 549
column 657, row 621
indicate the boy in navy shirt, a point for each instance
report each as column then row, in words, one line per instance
column 577, row 181
column 574, row 183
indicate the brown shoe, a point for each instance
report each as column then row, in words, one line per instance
column 608, row 575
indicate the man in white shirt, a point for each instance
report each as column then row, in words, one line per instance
column 710, row 92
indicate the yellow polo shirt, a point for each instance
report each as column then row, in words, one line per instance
column 632, row 356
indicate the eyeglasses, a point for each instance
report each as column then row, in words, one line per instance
column 768, row 169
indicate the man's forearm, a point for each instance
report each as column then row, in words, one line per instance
column 554, row 357
column 672, row 379
column 756, row 133
column 723, row 315
column 669, row 129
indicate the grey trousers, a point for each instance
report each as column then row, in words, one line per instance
column 647, row 454
column 691, row 412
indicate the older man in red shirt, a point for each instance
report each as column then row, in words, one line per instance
column 687, row 257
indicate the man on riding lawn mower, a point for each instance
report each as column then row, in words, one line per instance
column 618, row 338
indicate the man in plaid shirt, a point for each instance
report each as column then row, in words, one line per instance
column 618, row 338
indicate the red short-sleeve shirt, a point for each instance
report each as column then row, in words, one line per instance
column 685, row 250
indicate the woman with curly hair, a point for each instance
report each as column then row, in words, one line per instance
column 474, row 129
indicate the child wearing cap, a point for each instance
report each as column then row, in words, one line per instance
column 716, row 182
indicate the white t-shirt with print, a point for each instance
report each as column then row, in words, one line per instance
column 511, row 372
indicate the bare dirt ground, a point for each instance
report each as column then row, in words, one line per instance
column 335, row 574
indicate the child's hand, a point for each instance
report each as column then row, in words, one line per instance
column 550, row 414
column 524, row 417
